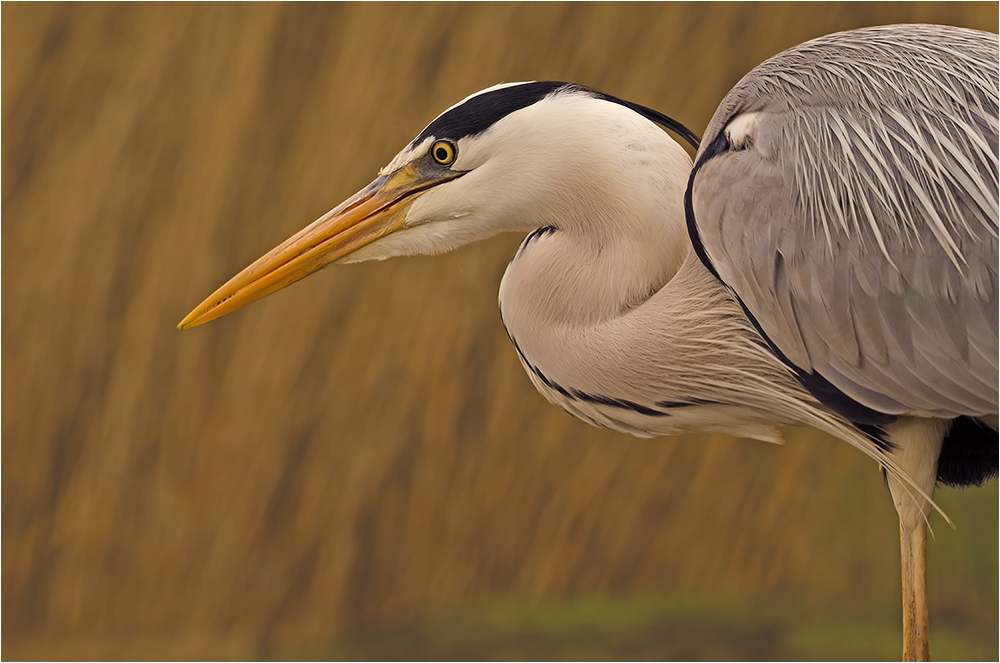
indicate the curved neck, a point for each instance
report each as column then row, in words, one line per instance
column 615, row 318
column 595, row 262
column 609, row 245
column 683, row 359
column 562, row 277
column 584, row 317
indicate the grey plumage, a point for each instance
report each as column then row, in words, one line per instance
column 859, row 224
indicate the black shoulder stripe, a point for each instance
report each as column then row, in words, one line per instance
column 717, row 147
column 970, row 454
column 864, row 418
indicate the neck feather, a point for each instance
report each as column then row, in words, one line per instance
column 686, row 359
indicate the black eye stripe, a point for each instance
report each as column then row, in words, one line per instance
column 483, row 110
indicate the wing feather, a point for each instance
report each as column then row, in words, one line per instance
column 859, row 222
column 864, row 310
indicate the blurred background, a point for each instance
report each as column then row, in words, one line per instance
column 357, row 466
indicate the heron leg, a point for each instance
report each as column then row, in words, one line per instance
column 917, row 443
column 916, row 625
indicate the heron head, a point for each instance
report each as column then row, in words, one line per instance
column 511, row 157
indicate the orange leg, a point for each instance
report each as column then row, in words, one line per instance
column 918, row 445
column 916, row 629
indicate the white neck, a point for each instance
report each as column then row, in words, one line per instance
column 603, row 246
column 594, row 264
column 617, row 321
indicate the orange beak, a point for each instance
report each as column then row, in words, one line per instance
column 376, row 211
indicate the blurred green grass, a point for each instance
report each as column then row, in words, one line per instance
column 692, row 628
column 782, row 626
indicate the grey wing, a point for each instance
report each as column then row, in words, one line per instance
column 846, row 191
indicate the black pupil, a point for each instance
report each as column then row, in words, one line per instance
column 442, row 153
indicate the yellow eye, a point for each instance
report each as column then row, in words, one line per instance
column 443, row 152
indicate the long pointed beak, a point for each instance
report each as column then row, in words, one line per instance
column 376, row 211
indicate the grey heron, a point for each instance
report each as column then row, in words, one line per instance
column 829, row 258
